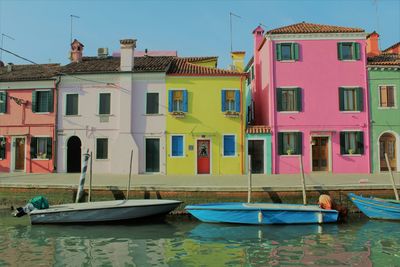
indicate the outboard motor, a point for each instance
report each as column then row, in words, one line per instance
column 38, row 202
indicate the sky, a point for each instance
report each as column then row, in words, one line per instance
column 42, row 29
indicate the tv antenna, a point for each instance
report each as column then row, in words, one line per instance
column 230, row 21
column 1, row 44
column 72, row 17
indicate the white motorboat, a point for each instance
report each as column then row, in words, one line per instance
column 103, row 211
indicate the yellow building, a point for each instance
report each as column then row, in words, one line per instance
column 205, row 121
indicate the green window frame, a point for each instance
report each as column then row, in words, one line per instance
column 351, row 99
column 42, row 101
column 102, row 148
column 41, row 147
column 287, row 51
column 152, row 103
column 104, row 103
column 3, row 102
column 349, row 51
column 71, row 104
column 352, row 142
column 290, row 143
column 289, row 99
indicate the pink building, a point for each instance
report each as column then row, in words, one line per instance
column 27, row 118
column 311, row 89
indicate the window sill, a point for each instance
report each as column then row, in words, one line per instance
column 350, row 111
column 231, row 114
column 289, row 112
column 36, row 159
column 233, row 156
column 73, row 115
column 105, row 115
column 42, row 113
column 178, row 114
column 352, row 155
column 292, row 155
column 102, row 159
column 382, row 108
column 177, row 157
column 153, row 115
column 287, row 61
column 349, row 60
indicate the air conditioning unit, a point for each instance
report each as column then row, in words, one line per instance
column 232, row 67
column 102, row 52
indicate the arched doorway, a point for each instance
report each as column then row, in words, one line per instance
column 74, row 154
column 387, row 144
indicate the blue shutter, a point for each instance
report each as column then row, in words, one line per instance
column 223, row 98
column 185, row 101
column 229, row 145
column 180, row 146
column 237, row 101
column 170, row 99
column 177, row 146
column 34, row 104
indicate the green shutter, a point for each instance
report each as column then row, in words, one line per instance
column 299, row 99
column 3, row 102
column 342, row 143
column 360, row 143
column 339, row 48
column 50, row 101
column 33, row 147
column 356, row 50
column 280, row 143
column 279, row 99
column 360, row 98
column 34, row 101
column 49, row 148
column 341, row 98
column 278, row 52
column 2, row 148
column 295, row 50
column 299, row 148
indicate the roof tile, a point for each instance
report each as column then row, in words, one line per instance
column 304, row 27
column 28, row 72
column 384, row 59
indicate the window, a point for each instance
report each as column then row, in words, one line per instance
column 2, row 148
column 72, row 104
column 350, row 99
column 177, row 146
column 3, row 102
column 105, row 104
column 178, row 101
column 230, row 101
column 101, row 148
column 229, row 145
column 41, row 147
column 42, row 101
column 290, row 143
column 351, row 143
column 152, row 103
column 349, row 51
column 289, row 99
column 386, row 96
column 252, row 72
column 287, row 51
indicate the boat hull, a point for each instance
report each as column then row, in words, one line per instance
column 376, row 208
column 261, row 213
column 103, row 211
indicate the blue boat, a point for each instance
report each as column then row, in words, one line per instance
column 377, row 208
column 261, row 213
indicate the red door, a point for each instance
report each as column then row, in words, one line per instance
column 203, row 156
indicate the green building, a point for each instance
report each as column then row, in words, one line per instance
column 384, row 90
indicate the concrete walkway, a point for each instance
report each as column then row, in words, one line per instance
column 203, row 182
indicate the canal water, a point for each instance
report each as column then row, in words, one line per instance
column 182, row 241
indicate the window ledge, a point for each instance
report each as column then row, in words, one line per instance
column 350, row 111
column 352, row 155
column 177, row 157
column 289, row 112
column 382, row 108
column 42, row 113
column 231, row 114
column 102, row 159
column 287, row 61
column 37, row 159
column 177, row 114
column 73, row 115
column 347, row 60
column 233, row 156
column 292, row 155
column 154, row 115
column 105, row 115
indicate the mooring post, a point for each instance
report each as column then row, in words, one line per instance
column 79, row 194
column 90, row 177
column 392, row 178
column 303, row 181
column 249, row 181
column 129, row 179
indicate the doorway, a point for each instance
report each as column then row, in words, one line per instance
column 203, row 156
column 152, row 155
column 19, row 155
column 320, row 155
column 74, row 154
column 256, row 151
column 387, row 144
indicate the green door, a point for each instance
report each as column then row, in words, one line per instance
column 152, row 155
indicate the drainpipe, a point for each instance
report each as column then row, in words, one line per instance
column 241, row 126
column 55, row 143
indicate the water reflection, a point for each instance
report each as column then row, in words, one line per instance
column 184, row 242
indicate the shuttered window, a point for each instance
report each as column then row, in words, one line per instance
column 3, row 102
column 230, row 101
column 2, row 148
column 101, row 148
column 71, row 104
column 386, row 96
column 349, row 51
column 350, row 99
column 41, row 147
column 177, row 101
column 352, row 143
column 287, row 51
column 105, row 104
column 177, row 146
column 289, row 99
column 290, row 143
column 229, row 145
column 152, row 103
column 42, row 101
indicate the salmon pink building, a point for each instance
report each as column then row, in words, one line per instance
column 27, row 117
column 311, row 89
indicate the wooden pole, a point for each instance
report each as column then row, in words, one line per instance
column 130, row 173
column 303, row 182
column 249, row 181
column 392, row 178
column 90, row 177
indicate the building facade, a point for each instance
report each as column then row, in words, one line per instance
column 311, row 89
column 28, row 118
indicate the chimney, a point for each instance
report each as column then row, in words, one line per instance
column 127, row 49
column 76, row 51
column 258, row 34
column 1, row 64
column 102, row 52
column 238, row 60
column 373, row 44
